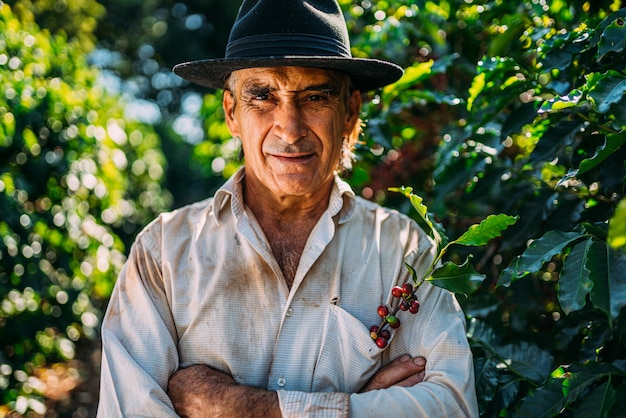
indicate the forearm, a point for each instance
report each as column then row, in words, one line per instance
column 199, row 391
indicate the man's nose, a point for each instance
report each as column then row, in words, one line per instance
column 288, row 122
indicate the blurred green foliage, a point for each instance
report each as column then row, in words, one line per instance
column 77, row 180
column 505, row 107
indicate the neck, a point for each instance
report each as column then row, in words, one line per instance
column 286, row 211
column 287, row 223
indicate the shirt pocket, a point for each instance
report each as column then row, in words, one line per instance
column 349, row 356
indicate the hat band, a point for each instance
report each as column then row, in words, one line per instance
column 286, row 44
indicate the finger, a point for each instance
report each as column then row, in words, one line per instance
column 405, row 368
column 412, row 380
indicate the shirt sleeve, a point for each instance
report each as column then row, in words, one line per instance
column 294, row 404
column 138, row 341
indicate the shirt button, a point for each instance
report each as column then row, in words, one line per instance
column 281, row 382
column 289, row 312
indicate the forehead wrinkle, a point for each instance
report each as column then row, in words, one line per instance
column 254, row 88
column 277, row 79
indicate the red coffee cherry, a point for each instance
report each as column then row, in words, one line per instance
column 397, row 292
column 407, row 289
column 381, row 342
column 415, row 307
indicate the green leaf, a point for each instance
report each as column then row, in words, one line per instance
column 508, row 389
column 480, row 333
column 478, row 84
column 619, row 116
column 538, row 252
column 486, row 372
column 580, row 377
column 609, row 281
column 599, row 402
column 559, row 103
column 617, row 280
column 489, row 228
column 611, row 143
column 380, row 131
column 416, row 279
column 566, row 387
column 545, row 402
column 463, row 279
column 567, row 384
column 417, row 73
column 597, row 229
column 617, row 227
column 608, row 90
column 412, row 75
column 421, row 209
column 609, row 20
column 557, row 136
column 527, row 360
column 613, row 38
column 574, row 282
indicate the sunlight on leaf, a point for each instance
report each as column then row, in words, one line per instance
column 617, row 227
column 422, row 211
column 488, row 229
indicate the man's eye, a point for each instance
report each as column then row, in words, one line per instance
column 317, row 97
column 262, row 97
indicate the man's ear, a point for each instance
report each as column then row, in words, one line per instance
column 354, row 110
column 228, row 104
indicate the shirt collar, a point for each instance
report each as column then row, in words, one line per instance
column 342, row 199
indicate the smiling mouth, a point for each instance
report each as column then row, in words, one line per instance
column 291, row 157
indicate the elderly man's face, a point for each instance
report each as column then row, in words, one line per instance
column 291, row 122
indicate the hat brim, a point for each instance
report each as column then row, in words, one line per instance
column 366, row 73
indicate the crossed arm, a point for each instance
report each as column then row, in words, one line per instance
column 135, row 376
column 198, row 391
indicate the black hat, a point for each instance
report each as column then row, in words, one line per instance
column 302, row 33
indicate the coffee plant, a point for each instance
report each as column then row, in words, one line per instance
column 509, row 108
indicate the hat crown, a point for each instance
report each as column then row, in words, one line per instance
column 280, row 28
column 301, row 33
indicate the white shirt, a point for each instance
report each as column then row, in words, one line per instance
column 201, row 286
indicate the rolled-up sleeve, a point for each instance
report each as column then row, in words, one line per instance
column 138, row 341
column 295, row 404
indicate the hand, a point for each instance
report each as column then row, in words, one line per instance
column 200, row 391
column 404, row 371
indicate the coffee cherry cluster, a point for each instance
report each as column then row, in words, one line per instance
column 407, row 302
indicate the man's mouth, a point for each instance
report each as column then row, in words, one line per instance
column 293, row 157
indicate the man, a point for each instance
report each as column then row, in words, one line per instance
column 258, row 301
